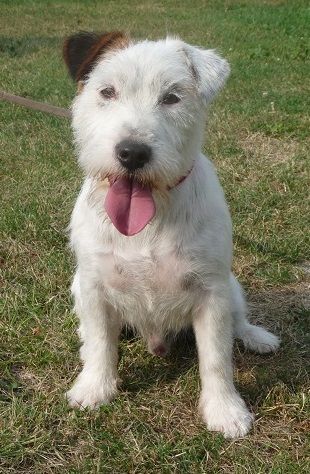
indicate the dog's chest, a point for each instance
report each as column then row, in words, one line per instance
column 151, row 289
column 149, row 272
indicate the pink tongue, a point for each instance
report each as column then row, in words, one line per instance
column 129, row 205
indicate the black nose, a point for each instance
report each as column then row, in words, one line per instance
column 133, row 155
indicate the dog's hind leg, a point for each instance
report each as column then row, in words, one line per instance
column 253, row 337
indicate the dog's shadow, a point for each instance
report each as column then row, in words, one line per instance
column 257, row 375
column 150, row 370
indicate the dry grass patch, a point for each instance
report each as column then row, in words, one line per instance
column 259, row 146
column 281, row 301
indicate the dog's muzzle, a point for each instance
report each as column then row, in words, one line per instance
column 132, row 155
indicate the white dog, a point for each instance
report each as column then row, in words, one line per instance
column 150, row 229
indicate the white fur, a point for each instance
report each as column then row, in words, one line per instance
column 177, row 271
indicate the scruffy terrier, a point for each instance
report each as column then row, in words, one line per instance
column 151, row 230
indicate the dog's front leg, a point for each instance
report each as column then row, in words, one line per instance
column 222, row 407
column 100, row 328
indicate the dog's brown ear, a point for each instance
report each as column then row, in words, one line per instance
column 81, row 50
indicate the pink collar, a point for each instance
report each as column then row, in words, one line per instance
column 181, row 179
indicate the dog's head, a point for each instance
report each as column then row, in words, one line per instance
column 141, row 106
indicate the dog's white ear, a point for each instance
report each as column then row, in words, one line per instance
column 209, row 70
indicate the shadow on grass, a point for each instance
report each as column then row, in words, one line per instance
column 151, row 370
column 18, row 47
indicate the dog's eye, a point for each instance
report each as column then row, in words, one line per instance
column 170, row 99
column 108, row 93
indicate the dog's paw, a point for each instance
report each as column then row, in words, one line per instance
column 228, row 415
column 91, row 392
column 259, row 339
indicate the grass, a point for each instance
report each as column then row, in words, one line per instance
column 257, row 137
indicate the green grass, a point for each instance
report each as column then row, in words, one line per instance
column 258, row 139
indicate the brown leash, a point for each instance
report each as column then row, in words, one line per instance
column 33, row 104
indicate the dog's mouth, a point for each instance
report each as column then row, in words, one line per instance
column 143, row 177
column 130, row 204
column 129, row 201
